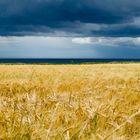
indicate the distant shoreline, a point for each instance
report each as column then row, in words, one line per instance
column 65, row 61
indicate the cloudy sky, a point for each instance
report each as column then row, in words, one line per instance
column 69, row 29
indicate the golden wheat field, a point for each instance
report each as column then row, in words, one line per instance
column 70, row 102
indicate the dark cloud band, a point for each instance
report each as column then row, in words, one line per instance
column 81, row 17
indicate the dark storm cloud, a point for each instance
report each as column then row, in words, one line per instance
column 79, row 17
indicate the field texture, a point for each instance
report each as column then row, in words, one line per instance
column 70, row 102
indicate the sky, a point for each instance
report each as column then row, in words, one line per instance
column 69, row 29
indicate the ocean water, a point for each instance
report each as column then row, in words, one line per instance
column 64, row 61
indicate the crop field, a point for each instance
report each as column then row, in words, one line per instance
column 70, row 102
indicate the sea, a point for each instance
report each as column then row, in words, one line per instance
column 63, row 61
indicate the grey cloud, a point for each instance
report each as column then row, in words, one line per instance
column 81, row 17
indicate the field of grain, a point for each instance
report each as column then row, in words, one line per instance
column 70, row 102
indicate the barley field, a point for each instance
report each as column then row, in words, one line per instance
column 70, row 102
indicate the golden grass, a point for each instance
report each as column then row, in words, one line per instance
column 84, row 102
